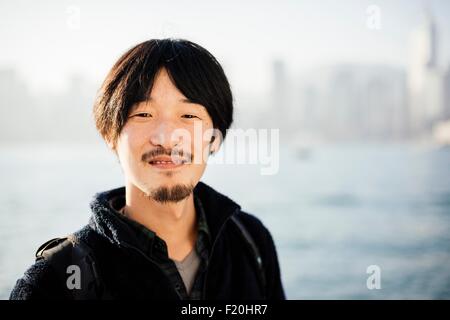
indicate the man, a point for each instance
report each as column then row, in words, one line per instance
column 164, row 107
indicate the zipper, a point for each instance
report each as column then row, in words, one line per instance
column 212, row 251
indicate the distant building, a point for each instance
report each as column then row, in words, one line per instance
column 17, row 114
column 65, row 116
column 447, row 94
column 426, row 80
column 354, row 102
column 279, row 95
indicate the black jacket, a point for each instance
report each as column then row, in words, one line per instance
column 126, row 273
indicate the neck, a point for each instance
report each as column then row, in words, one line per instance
column 175, row 223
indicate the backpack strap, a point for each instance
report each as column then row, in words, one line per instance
column 68, row 251
column 41, row 253
column 254, row 249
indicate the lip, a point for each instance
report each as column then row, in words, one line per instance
column 166, row 163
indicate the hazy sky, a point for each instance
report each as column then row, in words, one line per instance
column 43, row 41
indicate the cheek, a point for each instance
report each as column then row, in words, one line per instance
column 130, row 142
column 134, row 135
column 201, row 143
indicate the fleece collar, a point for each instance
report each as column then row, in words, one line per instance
column 106, row 222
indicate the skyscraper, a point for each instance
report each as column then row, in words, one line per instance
column 425, row 78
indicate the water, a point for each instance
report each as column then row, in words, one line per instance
column 332, row 214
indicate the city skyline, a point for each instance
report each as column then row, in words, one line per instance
column 341, row 101
column 48, row 41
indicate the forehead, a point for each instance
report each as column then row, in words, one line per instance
column 164, row 92
column 163, row 86
column 162, row 89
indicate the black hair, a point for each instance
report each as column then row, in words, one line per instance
column 192, row 69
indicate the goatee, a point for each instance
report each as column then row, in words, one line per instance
column 171, row 194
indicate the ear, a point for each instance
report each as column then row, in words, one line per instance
column 214, row 145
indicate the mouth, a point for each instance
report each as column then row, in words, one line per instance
column 167, row 163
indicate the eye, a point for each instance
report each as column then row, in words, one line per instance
column 189, row 116
column 143, row 115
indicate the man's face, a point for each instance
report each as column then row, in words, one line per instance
column 158, row 135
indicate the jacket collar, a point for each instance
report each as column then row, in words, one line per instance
column 105, row 220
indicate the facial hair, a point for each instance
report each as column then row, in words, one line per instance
column 171, row 194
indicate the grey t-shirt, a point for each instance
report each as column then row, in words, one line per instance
column 188, row 269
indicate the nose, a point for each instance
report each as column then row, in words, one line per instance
column 164, row 135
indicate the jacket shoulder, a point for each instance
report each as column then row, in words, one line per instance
column 258, row 232
column 43, row 279
column 40, row 281
column 254, row 224
column 54, row 247
column 267, row 248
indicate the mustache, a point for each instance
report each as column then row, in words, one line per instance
column 185, row 155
